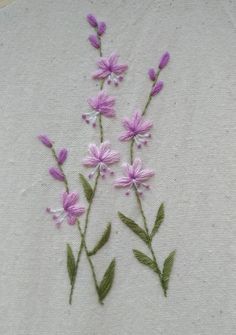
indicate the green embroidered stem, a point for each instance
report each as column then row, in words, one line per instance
column 90, row 263
column 60, row 168
column 147, row 231
column 132, row 152
column 150, row 97
column 83, row 243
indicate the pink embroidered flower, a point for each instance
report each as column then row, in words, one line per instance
column 91, row 19
column 164, row 60
column 101, row 28
column 70, row 210
column 135, row 176
column 110, row 70
column 152, row 74
column 56, row 174
column 45, row 141
column 101, row 157
column 136, row 128
column 101, row 104
column 157, row 88
column 62, row 156
column 94, row 41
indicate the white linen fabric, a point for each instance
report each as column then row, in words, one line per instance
column 46, row 65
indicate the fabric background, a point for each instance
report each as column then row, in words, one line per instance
column 45, row 68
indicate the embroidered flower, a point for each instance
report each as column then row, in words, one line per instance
column 110, row 70
column 101, row 104
column 136, row 128
column 45, row 141
column 152, row 74
column 62, row 156
column 135, row 176
column 101, row 157
column 94, row 41
column 56, row 174
column 70, row 210
column 164, row 60
column 157, row 88
column 91, row 19
column 101, row 28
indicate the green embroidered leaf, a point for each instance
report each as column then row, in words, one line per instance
column 144, row 259
column 103, row 240
column 134, row 227
column 168, row 264
column 159, row 219
column 107, row 281
column 70, row 263
column 88, row 191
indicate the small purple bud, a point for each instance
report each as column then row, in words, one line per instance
column 157, row 88
column 94, row 41
column 45, row 140
column 164, row 60
column 91, row 19
column 101, row 28
column 62, row 156
column 56, row 174
column 152, row 74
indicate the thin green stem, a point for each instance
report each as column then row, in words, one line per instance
column 83, row 243
column 147, row 231
column 132, row 152
column 149, row 99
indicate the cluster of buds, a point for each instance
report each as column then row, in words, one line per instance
column 153, row 74
column 60, row 157
column 99, row 27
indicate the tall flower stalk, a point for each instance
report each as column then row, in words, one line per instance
column 100, row 158
column 137, row 131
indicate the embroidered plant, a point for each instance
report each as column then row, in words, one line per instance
column 135, row 178
column 100, row 159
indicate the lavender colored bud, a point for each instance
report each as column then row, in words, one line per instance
column 164, row 60
column 45, row 141
column 157, row 88
column 91, row 19
column 94, row 41
column 101, row 28
column 62, row 156
column 152, row 74
column 56, row 174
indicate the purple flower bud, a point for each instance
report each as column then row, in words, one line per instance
column 93, row 39
column 101, row 28
column 56, row 174
column 157, row 88
column 62, row 156
column 152, row 74
column 91, row 19
column 164, row 60
column 45, row 140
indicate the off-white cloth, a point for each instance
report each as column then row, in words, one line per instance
column 45, row 68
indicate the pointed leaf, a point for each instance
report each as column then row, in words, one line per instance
column 88, row 191
column 144, row 259
column 107, row 281
column 159, row 219
column 168, row 264
column 70, row 263
column 134, row 227
column 103, row 240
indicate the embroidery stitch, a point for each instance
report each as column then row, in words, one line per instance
column 137, row 130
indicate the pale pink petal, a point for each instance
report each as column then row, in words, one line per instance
column 123, row 182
